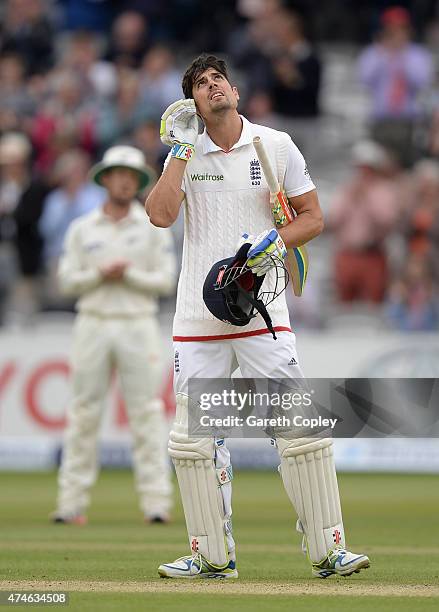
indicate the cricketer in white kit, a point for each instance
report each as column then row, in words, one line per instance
column 118, row 263
column 216, row 177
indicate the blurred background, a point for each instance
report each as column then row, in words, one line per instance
column 356, row 85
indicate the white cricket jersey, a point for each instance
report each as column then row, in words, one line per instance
column 95, row 240
column 226, row 195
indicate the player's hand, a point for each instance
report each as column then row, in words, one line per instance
column 179, row 124
column 114, row 271
column 265, row 246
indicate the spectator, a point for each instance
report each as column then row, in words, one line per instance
column 362, row 215
column 259, row 109
column 281, row 61
column 16, row 106
column 423, row 207
column 395, row 71
column 167, row 19
column 430, row 110
column 65, row 121
column 21, row 203
column 252, row 45
column 117, row 118
column 81, row 55
column 160, row 80
column 295, row 82
column 75, row 196
column 28, row 32
column 413, row 303
column 129, row 40
column 146, row 137
column 295, row 70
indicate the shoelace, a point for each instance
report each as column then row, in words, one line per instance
column 335, row 552
column 197, row 557
column 331, row 557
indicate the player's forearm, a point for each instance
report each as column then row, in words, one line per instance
column 307, row 224
column 76, row 283
column 302, row 229
column 163, row 203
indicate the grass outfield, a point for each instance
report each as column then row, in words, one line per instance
column 111, row 563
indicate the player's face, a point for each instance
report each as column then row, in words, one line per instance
column 213, row 93
column 122, row 185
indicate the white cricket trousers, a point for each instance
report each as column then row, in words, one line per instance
column 258, row 356
column 131, row 347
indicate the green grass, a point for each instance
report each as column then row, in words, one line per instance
column 393, row 518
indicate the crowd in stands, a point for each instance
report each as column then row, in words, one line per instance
column 78, row 76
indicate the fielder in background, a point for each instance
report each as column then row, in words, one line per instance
column 118, row 264
column 227, row 204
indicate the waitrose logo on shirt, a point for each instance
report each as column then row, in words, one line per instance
column 207, row 177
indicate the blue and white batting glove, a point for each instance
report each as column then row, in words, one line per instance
column 265, row 246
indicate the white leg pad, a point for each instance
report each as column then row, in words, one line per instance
column 200, row 484
column 308, row 473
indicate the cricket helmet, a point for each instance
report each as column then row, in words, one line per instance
column 233, row 293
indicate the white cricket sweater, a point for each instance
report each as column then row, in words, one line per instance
column 95, row 240
column 225, row 196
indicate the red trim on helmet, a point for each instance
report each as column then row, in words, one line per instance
column 256, row 332
column 219, row 278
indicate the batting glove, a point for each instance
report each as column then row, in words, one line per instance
column 245, row 239
column 265, row 246
column 179, row 128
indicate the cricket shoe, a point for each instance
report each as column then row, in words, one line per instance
column 197, row 566
column 69, row 518
column 341, row 562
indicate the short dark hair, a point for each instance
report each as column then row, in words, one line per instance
column 198, row 66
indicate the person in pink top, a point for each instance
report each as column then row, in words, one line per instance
column 362, row 215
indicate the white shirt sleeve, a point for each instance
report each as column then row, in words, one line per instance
column 297, row 178
column 73, row 278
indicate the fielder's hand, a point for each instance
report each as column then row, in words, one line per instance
column 179, row 128
column 263, row 247
column 114, row 271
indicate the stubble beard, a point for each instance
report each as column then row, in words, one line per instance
column 223, row 107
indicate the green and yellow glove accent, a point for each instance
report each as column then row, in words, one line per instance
column 265, row 246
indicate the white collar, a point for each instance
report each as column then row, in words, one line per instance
column 130, row 217
column 208, row 146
